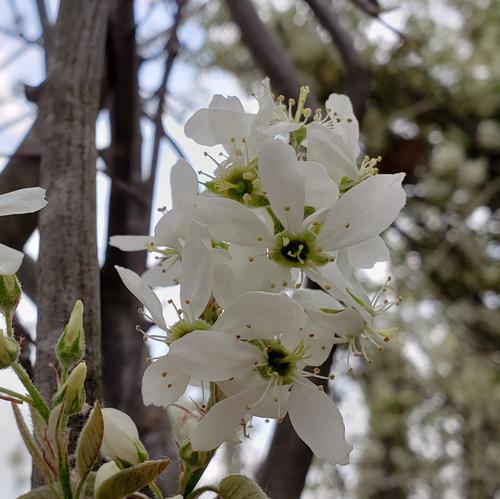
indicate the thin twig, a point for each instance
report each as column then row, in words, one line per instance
column 358, row 80
column 172, row 48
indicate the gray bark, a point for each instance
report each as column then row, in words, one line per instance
column 68, row 266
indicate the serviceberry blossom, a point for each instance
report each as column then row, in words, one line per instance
column 170, row 233
column 162, row 383
column 288, row 199
column 258, row 351
column 290, row 238
column 13, row 203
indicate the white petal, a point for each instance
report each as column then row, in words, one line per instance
column 336, row 283
column 223, row 120
column 321, row 190
column 319, row 342
column 22, row 201
column 130, row 243
column 317, row 421
column 136, row 285
column 196, row 277
column 10, row 260
column 228, row 220
column 266, row 313
column 183, row 180
column 223, row 419
column 212, row 355
column 273, row 405
column 363, row 212
column 332, row 151
column 346, row 323
column 169, row 228
column 168, row 273
column 283, row 180
column 366, row 254
column 339, row 107
column 315, row 299
column 162, row 383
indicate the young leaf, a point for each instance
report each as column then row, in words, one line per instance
column 44, row 492
column 131, row 480
column 89, row 442
column 240, row 487
column 31, row 445
column 55, row 432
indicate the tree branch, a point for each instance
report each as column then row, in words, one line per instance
column 267, row 52
column 68, row 266
column 358, row 85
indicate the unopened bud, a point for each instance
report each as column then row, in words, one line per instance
column 121, row 439
column 9, row 350
column 72, row 393
column 107, row 470
column 70, row 346
column 10, row 294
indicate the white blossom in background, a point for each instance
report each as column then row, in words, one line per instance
column 14, row 203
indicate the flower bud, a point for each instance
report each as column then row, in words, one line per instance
column 9, row 350
column 72, row 393
column 70, row 346
column 10, row 294
column 121, row 439
column 107, row 470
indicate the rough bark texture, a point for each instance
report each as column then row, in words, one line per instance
column 68, row 266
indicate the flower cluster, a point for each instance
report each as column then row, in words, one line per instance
column 288, row 200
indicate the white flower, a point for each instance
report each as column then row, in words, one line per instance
column 295, row 242
column 170, row 233
column 355, row 322
column 226, row 123
column 21, row 201
column 162, row 383
column 121, row 438
column 257, row 350
column 334, row 143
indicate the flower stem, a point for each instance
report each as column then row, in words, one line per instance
column 15, row 394
column 155, row 490
column 37, row 400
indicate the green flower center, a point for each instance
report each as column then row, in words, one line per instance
column 279, row 361
column 240, row 183
column 297, row 250
column 181, row 328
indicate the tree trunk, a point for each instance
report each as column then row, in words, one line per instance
column 68, row 266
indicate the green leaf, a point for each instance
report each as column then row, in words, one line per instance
column 240, row 487
column 131, row 480
column 32, row 446
column 89, row 442
column 45, row 492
